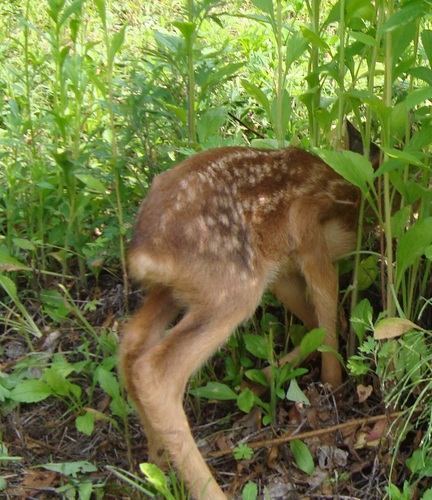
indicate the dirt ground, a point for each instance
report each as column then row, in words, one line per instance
column 347, row 435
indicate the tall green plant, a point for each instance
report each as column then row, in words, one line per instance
column 112, row 46
column 289, row 45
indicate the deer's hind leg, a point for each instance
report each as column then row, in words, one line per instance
column 160, row 375
column 143, row 331
column 316, row 264
column 291, row 290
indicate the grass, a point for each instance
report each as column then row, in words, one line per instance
column 96, row 100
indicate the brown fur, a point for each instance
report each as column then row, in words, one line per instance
column 211, row 236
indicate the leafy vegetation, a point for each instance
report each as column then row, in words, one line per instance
column 97, row 98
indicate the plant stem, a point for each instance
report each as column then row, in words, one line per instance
column 114, row 155
column 388, row 81
column 191, row 76
column 341, row 104
column 280, row 76
column 313, row 76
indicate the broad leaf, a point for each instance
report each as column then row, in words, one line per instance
column 30, row 391
column 302, row 456
column 257, row 345
column 353, row 167
column 311, row 341
column 390, row 328
column 85, row 423
column 246, row 400
column 214, row 390
column 295, row 394
column 412, row 245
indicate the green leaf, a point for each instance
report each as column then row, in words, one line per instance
column 217, row 77
column 72, row 9
column 285, row 104
column 399, row 221
column 246, row 400
column 258, row 95
column 214, row 390
column 108, row 381
column 368, row 272
column 30, row 391
column 3, row 483
column 314, row 39
column 173, row 44
column 55, row 6
column 353, row 167
column 57, row 382
column 85, row 423
column 411, row 246
column 9, row 286
column 424, row 74
column 100, row 5
column 295, row 394
column 302, row 456
column 265, row 6
column 116, row 43
column 360, row 9
column 8, row 263
column 4, row 393
column 257, row 345
column 426, row 38
column 268, row 143
column 24, row 244
column 296, row 45
column 417, row 96
column 364, row 38
column 119, row 407
column 420, row 463
column 366, row 97
column 410, row 11
column 361, row 319
column 243, row 451
column 186, row 28
column 157, row 479
column 312, row 341
column 92, row 183
column 85, row 490
column 71, row 469
column 250, row 491
column 257, row 376
column 210, row 122
column 287, row 373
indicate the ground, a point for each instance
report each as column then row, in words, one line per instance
column 346, row 434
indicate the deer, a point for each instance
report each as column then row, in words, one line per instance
column 212, row 235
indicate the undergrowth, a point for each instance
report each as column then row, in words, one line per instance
column 97, row 98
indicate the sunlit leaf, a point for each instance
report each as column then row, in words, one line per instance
column 412, row 245
column 390, row 328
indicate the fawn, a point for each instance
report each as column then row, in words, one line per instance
column 213, row 233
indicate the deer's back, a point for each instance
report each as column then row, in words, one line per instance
column 236, row 205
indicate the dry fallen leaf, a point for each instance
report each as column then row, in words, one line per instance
column 391, row 328
column 371, row 438
column 363, row 392
column 377, row 433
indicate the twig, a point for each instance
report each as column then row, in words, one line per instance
column 305, row 435
column 246, row 126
